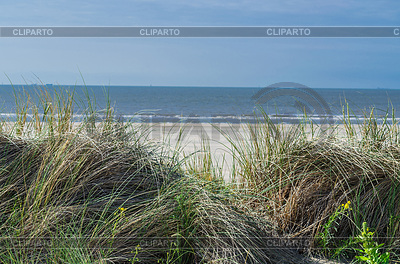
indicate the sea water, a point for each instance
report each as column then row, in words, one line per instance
column 212, row 104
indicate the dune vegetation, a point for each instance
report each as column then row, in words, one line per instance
column 98, row 191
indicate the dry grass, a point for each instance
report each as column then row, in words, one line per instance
column 94, row 192
column 99, row 192
column 298, row 182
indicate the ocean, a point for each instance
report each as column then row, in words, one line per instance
column 215, row 104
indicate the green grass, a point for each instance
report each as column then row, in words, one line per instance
column 100, row 191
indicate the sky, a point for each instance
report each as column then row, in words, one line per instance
column 229, row 62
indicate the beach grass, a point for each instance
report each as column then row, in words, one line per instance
column 99, row 191
column 299, row 176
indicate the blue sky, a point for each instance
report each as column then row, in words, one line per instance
column 253, row 62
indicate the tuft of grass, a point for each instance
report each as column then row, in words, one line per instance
column 98, row 190
column 297, row 178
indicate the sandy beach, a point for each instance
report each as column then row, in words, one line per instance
column 190, row 139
